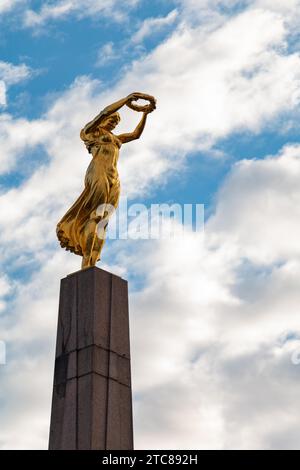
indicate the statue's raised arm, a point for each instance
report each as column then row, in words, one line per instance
column 113, row 108
column 82, row 229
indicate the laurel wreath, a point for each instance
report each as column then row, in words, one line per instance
column 141, row 108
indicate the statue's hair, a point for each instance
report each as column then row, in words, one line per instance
column 113, row 114
column 88, row 143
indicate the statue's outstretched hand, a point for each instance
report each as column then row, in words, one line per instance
column 150, row 107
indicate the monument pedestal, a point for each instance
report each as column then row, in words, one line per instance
column 92, row 402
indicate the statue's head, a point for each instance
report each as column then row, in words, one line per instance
column 111, row 121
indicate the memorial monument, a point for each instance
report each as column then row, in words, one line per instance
column 92, row 400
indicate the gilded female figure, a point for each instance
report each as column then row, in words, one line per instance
column 77, row 230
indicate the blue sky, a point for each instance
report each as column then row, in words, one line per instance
column 221, row 315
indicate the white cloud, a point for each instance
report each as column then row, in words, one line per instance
column 5, row 285
column 151, row 25
column 106, row 54
column 255, row 222
column 11, row 74
column 8, row 5
column 48, row 12
column 19, row 136
column 60, row 9
column 5, row 288
column 261, row 233
column 288, row 7
column 225, row 8
column 2, row 94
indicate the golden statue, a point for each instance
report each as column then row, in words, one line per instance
column 78, row 230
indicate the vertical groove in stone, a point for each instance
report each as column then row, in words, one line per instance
column 76, row 320
column 108, row 362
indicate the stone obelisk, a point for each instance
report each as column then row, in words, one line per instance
column 92, row 400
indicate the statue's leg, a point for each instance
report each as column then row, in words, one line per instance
column 114, row 195
column 103, row 215
column 94, row 241
column 98, row 245
column 89, row 237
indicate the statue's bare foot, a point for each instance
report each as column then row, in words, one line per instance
column 86, row 262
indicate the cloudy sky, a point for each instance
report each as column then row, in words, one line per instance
column 215, row 324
